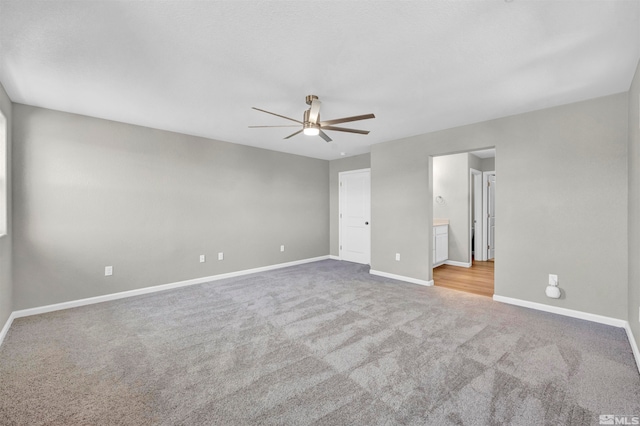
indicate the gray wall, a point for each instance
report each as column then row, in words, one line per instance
column 451, row 182
column 90, row 193
column 488, row 165
column 356, row 162
column 561, row 202
column 634, row 205
column 482, row 164
column 6, row 280
column 401, row 208
column 475, row 162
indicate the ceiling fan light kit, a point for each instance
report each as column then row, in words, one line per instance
column 311, row 124
column 311, row 131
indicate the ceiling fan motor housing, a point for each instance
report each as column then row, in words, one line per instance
column 306, row 121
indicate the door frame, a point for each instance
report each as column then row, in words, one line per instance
column 341, row 203
column 475, row 200
column 485, row 213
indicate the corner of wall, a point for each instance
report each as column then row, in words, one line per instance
column 6, row 241
column 633, row 170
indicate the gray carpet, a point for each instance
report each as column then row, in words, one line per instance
column 324, row 344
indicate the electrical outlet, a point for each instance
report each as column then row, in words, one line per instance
column 220, row 256
column 398, row 257
column 108, row 271
column 202, row 258
column 282, row 248
column 553, row 279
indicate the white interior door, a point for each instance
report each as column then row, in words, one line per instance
column 355, row 212
column 491, row 217
column 476, row 214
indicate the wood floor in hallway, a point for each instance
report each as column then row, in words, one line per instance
column 478, row 279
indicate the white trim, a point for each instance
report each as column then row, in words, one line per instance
column 485, row 213
column 366, row 169
column 518, row 302
column 154, row 289
column 332, row 257
column 6, row 192
column 401, row 278
column 6, row 327
column 472, row 206
column 341, row 203
column 615, row 322
column 633, row 343
column 456, row 263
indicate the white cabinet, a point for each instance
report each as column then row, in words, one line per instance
column 440, row 244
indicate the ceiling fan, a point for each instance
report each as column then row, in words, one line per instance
column 311, row 124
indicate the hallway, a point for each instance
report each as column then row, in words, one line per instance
column 478, row 279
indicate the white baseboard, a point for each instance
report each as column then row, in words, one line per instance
column 6, row 327
column 456, row 263
column 154, row 289
column 401, row 278
column 615, row 322
column 562, row 311
column 634, row 345
column 332, row 257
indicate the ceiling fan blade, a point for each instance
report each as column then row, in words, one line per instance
column 314, row 111
column 277, row 115
column 287, row 125
column 324, row 136
column 344, row 129
column 347, row 119
column 293, row 134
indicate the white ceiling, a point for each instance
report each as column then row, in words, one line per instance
column 197, row 67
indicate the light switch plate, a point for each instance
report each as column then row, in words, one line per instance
column 108, row 271
column 202, row 258
column 220, row 256
column 553, row 279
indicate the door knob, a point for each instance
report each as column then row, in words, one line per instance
column 366, row 223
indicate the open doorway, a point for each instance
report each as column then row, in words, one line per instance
column 464, row 214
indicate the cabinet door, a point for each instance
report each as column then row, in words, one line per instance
column 442, row 248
